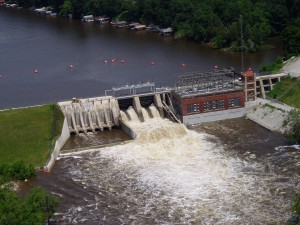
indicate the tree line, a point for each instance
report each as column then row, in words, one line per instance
column 216, row 22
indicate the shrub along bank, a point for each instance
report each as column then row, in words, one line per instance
column 35, row 208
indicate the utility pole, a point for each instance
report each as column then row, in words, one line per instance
column 242, row 42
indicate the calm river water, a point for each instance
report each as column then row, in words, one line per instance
column 229, row 172
column 30, row 42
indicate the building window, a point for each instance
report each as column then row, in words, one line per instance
column 234, row 102
column 193, row 108
column 214, row 105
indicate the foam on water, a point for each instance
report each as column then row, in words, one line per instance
column 171, row 175
column 132, row 115
column 154, row 111
column 124, row 116
column 145, row 114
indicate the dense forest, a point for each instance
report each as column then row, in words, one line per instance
column 216, row 22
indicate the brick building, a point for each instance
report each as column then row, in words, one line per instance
column 209, row 96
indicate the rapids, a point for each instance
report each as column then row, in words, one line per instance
column 172, row 175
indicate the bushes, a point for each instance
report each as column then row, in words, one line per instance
column 293, row 121
column 296, row 205
column 17, row 170
column 296, row 210
column 273, row 67
column 34, row 209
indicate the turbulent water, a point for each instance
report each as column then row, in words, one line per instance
column 171, row 175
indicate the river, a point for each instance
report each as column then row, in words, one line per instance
column 228, row 172
column 30, row 42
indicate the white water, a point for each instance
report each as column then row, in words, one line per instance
column 154, row 111
column 132, row 115
column 171, row 175
column 124, row 116
column 145, row 114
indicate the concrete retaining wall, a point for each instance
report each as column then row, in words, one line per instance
column 127, row 129
column 65, row 134
column 214, row 116
column 270, row 118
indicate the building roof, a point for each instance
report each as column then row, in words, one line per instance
column 248, row 73
column 209, row 81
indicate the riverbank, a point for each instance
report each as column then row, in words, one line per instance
column 28, row 134
column 271, row 113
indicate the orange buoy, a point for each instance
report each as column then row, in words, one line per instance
column 122, row 61
column 183, row 65
column 71, row 66
column 113, row 60
column 105, row 61
column 36, row 71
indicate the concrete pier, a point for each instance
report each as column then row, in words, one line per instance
column 158, row 104
column 138, row 108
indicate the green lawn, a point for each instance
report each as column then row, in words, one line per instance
column 287, row 91
column 28, row 134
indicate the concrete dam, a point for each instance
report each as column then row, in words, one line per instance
column 97, row 114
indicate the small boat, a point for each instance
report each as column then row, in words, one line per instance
column 140, row 27
column 101, row 19
column 119, row 24
column 88, row 18
column 166, row 32
column 132, row 25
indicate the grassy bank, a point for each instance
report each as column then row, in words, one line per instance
column 287, row 91
column 28, row 134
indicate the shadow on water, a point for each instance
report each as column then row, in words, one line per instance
column 97, row 139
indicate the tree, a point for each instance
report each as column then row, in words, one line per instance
column 39, row 205
column 66, row 8
column 291, row 36
column 10, row 207
column 293, row 122
column 34, row 209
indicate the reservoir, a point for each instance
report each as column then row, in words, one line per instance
column 228, row 172
column 50, row 45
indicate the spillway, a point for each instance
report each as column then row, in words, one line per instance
column 172, row 175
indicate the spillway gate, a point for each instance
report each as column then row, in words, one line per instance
column 92, row 114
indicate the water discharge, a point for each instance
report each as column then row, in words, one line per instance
column 172, row 175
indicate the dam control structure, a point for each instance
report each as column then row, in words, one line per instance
column 196, row 97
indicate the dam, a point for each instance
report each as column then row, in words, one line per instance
column 197, row 97
column 97, row 114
